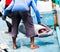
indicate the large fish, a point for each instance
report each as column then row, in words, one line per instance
column 37, row 28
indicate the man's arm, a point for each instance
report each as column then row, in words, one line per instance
column 36, row 11
column 6, row 11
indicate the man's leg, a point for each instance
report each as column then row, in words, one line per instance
column 15, row 23
column 27, row 20
column 14, row 43
column 33, row 46
column 9, row 26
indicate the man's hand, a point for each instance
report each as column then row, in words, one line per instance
column 39, row 23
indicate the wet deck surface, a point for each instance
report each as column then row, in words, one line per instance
column 47, row 44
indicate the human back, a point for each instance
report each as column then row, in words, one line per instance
column 21, row 5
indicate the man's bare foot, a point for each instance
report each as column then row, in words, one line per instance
column 34, row 46
column 14, row 46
